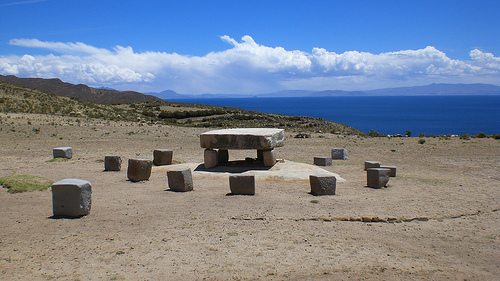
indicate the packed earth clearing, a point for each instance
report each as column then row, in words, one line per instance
column 438, row 219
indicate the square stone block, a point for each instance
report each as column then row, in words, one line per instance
column 112, row 163
column 322, row 161
column 71, row 198
column 180, row 179
column 162, row 157
column 392, row 173
column 339, row 154
column 242, row 184
column 210, row 157
column 63, row 152
column 139, row 169
column 377, row 177
column 371, row 164
column 323, row 184
column 269, row 158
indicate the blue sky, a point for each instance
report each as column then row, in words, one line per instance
column 242, row 47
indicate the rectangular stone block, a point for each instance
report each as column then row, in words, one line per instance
column 162, row 157
column 139, row 169
column 71, row 198
column 242, row 184
column 63, row 152
column 180, row 179
column 112, row 163
column 323, row 184
column 377, row 177
column 210, row 157
column 244, row 138
column 339, row 154
column 322, row 161
column 371, row 164
column 392, row 173
column 269, row 158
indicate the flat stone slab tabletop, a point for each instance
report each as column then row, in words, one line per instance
column 243, row 138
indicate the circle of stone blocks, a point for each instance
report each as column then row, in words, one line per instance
column 112, row 163
column 377, row 177
column 63, row 152
column 180, row 179
column 139, row 169
column 210, row 158
column 162, row 157
column 71, row 198
column 242, row 184
column 392, row 173
column 323, row 184
column 339, row 153
column 371, row 164
column 269, row 157
column 322, row 161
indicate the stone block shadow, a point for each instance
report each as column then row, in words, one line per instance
column 238, row 166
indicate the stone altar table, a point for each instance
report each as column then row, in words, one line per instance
column 264, row 140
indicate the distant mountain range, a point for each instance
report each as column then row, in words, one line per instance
column 81, row 91
column 108, row 95
column 428, row 90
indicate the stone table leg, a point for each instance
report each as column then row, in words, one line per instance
column 210, row 158
column 269, row 157
column 223, row 156
column 260, row 155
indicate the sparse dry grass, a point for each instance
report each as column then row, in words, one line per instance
column 25, row 183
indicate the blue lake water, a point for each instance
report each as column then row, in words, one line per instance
column 389, row 115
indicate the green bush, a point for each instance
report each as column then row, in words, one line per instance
column 373, row 133
column 481, row 135
column 465, row 136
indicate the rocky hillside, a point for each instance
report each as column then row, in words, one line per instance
column 81, row 92
column 17, row 99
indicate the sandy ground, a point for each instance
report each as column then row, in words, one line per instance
column 445, row 199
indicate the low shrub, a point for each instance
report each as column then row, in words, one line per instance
column 481, row 135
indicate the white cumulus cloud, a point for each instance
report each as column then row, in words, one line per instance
column 245, row 67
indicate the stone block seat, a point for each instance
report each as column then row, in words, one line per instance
column 322, row 161
column 372, row 164
column 71, row 198
column 162, row 157
column 180, row 179
column 392, row 173
column 218, row 142
column 339, row 153
column 242, row 184
column 139, row 169
column 112, row 163
column 63, row 152
column 323, row 184
column 377, row 177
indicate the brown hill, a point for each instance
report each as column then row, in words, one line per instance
column 82, row 92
